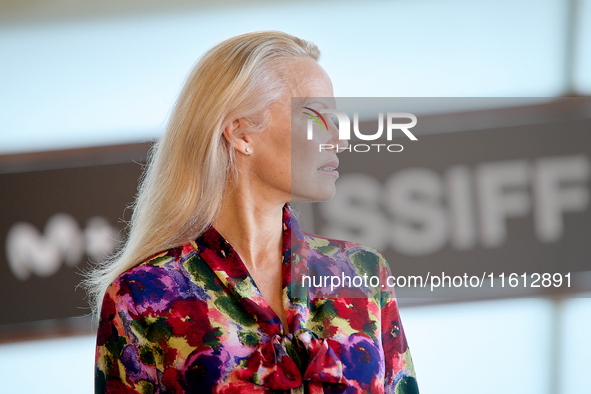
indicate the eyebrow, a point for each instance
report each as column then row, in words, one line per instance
column 316, row 102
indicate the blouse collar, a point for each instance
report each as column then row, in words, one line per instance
column 229, row 268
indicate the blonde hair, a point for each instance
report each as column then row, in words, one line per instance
column 181, row 191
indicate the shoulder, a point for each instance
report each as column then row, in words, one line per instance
column 365, row 258
column 343, row 269
column 155, row 281
column 331, row 246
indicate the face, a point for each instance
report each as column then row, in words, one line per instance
column 286, row 162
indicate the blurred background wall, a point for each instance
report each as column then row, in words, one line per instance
column 87, row 85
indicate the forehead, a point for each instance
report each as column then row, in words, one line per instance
column 309, row 79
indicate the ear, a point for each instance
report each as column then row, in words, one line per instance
column 236, row 133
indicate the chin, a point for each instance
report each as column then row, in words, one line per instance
column 314, row 194
column 312, row 188
column 325, row 194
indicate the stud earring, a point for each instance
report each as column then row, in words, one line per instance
column 247, row 150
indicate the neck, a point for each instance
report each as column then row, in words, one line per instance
column 253, row 226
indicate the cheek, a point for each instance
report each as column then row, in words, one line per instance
column 274, row 158
column 304, row 151
column 304, row 174
column 304, row 156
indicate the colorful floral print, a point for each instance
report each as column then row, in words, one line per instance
column 191, row 319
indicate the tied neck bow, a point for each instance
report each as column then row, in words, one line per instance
column 288, row 360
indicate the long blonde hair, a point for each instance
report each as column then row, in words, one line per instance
column 181, row 191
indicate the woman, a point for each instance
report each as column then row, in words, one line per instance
column 199, row 299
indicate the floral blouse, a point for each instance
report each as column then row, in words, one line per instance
column 191, row 319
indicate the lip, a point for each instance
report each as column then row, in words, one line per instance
column 330, row 168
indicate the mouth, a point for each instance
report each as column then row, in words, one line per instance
column 330, row 168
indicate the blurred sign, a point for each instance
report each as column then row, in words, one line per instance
column 510, row 198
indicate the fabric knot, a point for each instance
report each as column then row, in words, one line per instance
column 287, row 361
